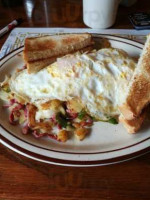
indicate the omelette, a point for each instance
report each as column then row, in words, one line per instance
column 75, row 91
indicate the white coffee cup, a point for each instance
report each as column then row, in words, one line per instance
column 100, row 13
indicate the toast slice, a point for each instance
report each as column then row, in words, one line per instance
column 138, row 92
column 132, row 125
column 35, row 66
column 45, row 50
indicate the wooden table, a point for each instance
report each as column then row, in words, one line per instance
column 23, row 178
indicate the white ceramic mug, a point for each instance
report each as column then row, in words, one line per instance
column 100, row 13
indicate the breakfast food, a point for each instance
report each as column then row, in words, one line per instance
column 39, row 52
column 137, row 96
column 69, row 95
column 96, row 79
column 132, row 125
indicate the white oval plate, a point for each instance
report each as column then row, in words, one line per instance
column 106, row 144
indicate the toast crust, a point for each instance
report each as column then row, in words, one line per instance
column 133, row 125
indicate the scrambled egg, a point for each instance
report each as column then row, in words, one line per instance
column 98, row 80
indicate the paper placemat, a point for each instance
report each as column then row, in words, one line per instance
column 17, row 36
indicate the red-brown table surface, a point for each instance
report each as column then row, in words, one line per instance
column 24, row 179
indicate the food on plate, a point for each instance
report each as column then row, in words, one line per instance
column 137, row 96
column 132, row 125
column 65, row 97
column 39, row 52
column 68, row 96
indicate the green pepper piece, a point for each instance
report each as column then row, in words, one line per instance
column 94, row 119
column 113, row 121
column 61, row 120
column 81, row 114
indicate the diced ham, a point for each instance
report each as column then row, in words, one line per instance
column 38, row 135
column 72, row 115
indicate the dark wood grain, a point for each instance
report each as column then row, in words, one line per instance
column 25, row 179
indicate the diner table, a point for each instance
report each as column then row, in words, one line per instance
column 22, row 178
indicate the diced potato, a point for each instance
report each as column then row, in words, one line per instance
column 74, row 105
column 62, row 110
column 31, row 115
column 46, row 126
column 53, row 104
column 70, row 128
column 81, row 133
column 63, row 135
column 76, row 125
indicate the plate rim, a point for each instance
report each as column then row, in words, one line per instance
column 75, row 163
column 70, row 163
column 75, row 153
